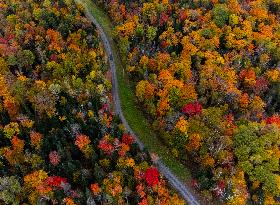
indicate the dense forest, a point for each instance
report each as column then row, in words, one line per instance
column 208, row 75
column 60, row 142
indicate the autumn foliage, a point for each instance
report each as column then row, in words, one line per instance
column 60, row 142
column 207, row 74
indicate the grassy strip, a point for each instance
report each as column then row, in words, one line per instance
column 132, row 113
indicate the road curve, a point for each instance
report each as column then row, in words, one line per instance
column 181, row 188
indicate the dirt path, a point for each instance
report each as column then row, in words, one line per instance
column 181, row 188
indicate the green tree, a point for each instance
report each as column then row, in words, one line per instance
column 220, row 15
column 25, row 58
column 151, row 33
column 256, row 148
column 124, row 47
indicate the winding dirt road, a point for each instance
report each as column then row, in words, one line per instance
column 181, row 188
